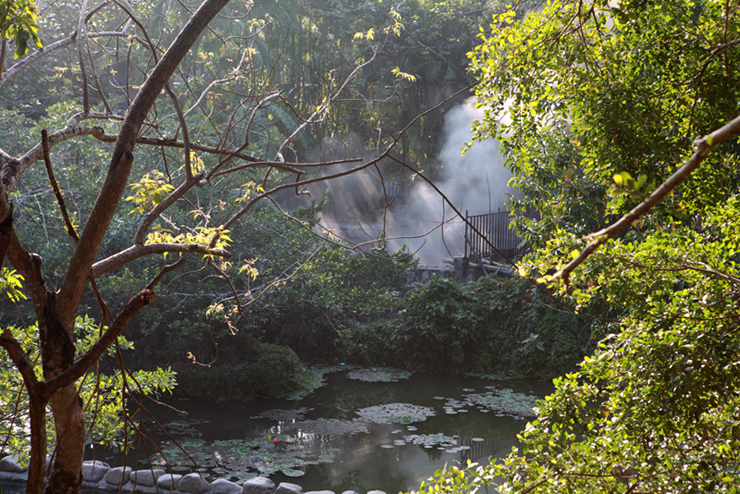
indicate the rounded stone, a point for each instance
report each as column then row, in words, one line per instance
column 147, row 477
column 223, row 486
column 288, row 488
column 258, row 485
column 94, row 471
column 11, row 463
column 169, row 481
column 193, row 483
column 375, row 492
column 118, row 475
column 350, row 492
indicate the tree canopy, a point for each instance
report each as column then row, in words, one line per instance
column 621, row 113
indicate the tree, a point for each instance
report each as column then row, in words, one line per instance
column 595, row 103
column 209, row 118
column 56, row 310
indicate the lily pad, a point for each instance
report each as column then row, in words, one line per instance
column 243, row 459
column 385, row 375
column 267, row 469
column 432, row 440
column 505, row 401
column 401, row 413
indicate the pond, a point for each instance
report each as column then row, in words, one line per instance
column 357, row 432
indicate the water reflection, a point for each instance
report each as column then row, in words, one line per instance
column 337, row 451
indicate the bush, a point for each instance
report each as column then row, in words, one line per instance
column 490, row 326
column 331, row 292
column 526, row 332
column 370, row 344
column 247, row 369
column 438, row 327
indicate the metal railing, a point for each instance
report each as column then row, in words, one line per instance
column 494, row 230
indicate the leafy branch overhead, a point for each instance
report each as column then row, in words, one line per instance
column 593, row 102
column 599, row 238
column 19, row 23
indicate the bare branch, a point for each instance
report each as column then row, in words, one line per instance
column 29, row 60
column 172, row 143
column 55, row 187
column 323, row 107
column 13, row 169
column 6, row 233
column 259, row 105
column 81, row 59
column 226, row 278
column 67, row 222
column 83, row 364
column 215, row 83
column 366, row 164
column 122, row 158
column 163, row 272
column 28, row 265
column 286, row 166
column 20, row 359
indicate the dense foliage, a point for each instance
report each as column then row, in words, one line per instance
column 596, row 104
column 244, row 369
column 508, row 328
column 163, row 152
column 300, row 291
column 305, row 291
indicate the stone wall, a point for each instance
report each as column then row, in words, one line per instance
column 100, row 476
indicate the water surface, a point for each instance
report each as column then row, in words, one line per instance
column 331, row 439
column 338, row 449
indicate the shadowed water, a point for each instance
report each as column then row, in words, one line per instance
column 331, row 439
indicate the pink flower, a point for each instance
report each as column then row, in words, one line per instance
column 276, row 440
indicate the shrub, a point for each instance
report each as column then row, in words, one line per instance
column 246, row 369
column 526, row 332
column 491, row 326
column 329, row 293
column 437, row 327
column 370, row 344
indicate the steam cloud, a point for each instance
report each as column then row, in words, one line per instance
column 476, row 182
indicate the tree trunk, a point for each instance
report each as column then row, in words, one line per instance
column 58, row 352
column 66, row 475
column 37, row 464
